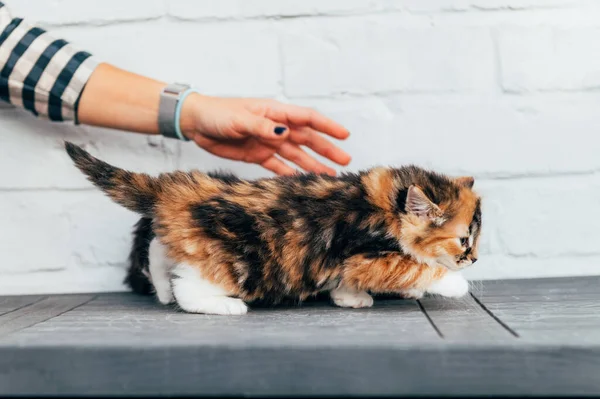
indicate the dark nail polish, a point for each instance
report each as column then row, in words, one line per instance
column 279, row 130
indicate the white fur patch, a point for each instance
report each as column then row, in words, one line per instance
column 349, row 298
column 195, row 294
column 452, row 285
column 160, row 268
column 413, row 293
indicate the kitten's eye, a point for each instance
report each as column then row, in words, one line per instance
column 464, row 241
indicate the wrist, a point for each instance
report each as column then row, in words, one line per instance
column 189, row 114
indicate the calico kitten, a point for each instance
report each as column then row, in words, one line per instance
column 218, row 241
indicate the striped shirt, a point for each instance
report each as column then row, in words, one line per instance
column 44, row 75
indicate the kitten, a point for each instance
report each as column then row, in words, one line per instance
column 218, row 241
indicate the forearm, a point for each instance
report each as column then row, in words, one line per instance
column 117, row 99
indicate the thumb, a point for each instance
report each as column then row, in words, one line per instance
column 266, row 129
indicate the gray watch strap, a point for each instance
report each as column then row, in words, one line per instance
column 169, row 97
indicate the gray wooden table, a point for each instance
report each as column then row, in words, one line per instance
column 510, row 337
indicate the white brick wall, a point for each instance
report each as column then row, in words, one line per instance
column 506, row 90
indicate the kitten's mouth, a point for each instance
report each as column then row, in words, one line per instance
column 451, row 265
column 463, row 265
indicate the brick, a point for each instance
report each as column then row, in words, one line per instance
column 193, row 157
column 466, row 5
column 328, row 57
column 547, row 59
column 546, row 218
column 67, row 12
column 61, row 231
column 228, row 9
column 505, row 267
column 227, row 59
column 34, row 234
column 32, row 153
column 100, row 279
column 521, row 4
column 100, row 231
column 458, row 135
column 189, row 9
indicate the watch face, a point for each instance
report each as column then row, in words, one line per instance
column 172, row 90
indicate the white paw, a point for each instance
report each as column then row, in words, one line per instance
column 452, row 285
column 164, row 294
column 351, row 299
column 412, row 293
column 195, row 294
column 219, row 305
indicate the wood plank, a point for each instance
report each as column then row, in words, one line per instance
column 560, row 310
column 39, row 311
column 558, row 319
column 123, row 318
column 12, row 303
column 464, row 320
column 538, row 287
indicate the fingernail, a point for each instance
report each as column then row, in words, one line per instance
column 279, row 130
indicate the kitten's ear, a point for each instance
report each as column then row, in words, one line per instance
column 465, row 181
column 418, row 204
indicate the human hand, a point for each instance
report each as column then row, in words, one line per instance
column 262, row 132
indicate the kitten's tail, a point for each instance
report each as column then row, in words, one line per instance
column 135, row 191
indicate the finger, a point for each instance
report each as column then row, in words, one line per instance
column 263, row 128
column 313, row 140
column 297, row 155
column 301, row 116
column 277, row 166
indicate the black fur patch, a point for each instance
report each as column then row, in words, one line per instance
column 99, row 172
column 347, row 239
column 438, row 188
column 138, row 258
column 476, row 222
column 219, row 215
column 117, row 183
column 225, row 177
column 401, row 200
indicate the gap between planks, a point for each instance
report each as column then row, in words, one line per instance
column 493, row 316
column 40, row 311
column 424, row 311
column 24, row 305
column 439, row 330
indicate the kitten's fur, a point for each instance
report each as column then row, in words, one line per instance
column 218, row 241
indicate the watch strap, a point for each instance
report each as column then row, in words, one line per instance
column 169, row 98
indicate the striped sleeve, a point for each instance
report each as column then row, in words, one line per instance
column 44, row 75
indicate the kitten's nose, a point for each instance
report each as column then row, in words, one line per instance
column 473, row 260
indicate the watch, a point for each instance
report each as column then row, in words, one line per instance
column 170, row 97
